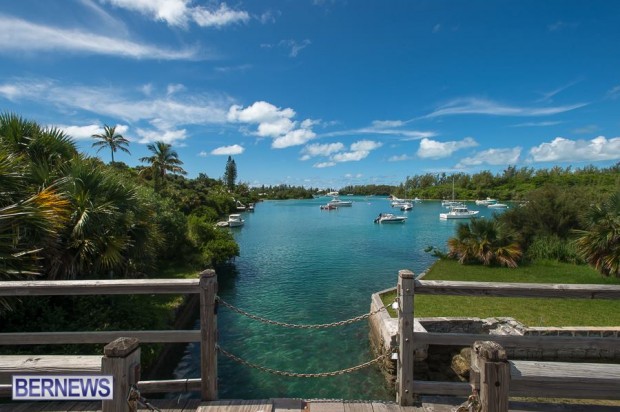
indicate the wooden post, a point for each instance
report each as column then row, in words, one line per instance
column 490, row 375
column 404, row 395
column 121, row 360
column 208, row 335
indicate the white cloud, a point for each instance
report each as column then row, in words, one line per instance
column 275, row 123
column 365, row 145
column 179, row 12
column 20, row 35
column 324, row 164
column 353, row 176
column 561, row 149
column 220, row 17
column 293, row 138
column 436, row 28
column 383, row 124
column 86, row 132
column 536, row 124
column 493, row 157
column 614, row 92
column 313, row 150
column 167, row 136
column 400, row 158
column 385, row 127
column 488, row 107
column 358, row 151
column 174, row 88
column 228, row 150
column 162, row 112
column 269, row 16
column 203, row 154
column 437, row 150
column 294, row 46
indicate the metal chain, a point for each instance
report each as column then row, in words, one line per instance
column 298, row 326
column 299, row 375
column 472, row 404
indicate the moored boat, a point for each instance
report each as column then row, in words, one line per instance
column 329, row 207
column 235, row 220
column 389, row 218
column 459, row 212
column 497, row 206
column 340, row 203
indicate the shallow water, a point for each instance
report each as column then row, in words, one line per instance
column 300, row 264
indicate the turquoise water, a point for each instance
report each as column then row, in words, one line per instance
column 300, row 264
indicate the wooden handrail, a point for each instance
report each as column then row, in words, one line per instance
column 66, row 338
column 515, row 290
column 99, row 287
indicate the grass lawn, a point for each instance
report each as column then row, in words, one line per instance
column 529, row 311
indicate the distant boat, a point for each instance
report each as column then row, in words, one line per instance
column 459, row 212
column 240, row 206
column 486, row 201
column 406, row 206
column 329, row 207
column 340, row 203
column 333, row 194
column 235, row 220
column 389, row 218
column 497, row 206
column 250, row 207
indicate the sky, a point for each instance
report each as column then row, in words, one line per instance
column 323, row 93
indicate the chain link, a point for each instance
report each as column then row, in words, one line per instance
column 298, row 326
column 299, row 375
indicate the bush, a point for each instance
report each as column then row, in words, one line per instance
column 553, row 248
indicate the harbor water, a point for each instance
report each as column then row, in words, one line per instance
column 300, row 264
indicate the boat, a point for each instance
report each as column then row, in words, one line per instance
column 235, row 220
column 340, row 203
column 497, row 206
column 452, row 203
column 250, row 207
column 329, row 207
column 486, row 202
column 332, row 194
column 389, row 218
column 240, row 206
column 406, row 206
column 459, row 212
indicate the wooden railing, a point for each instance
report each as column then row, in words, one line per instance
column 408, row 287
column 205, row 286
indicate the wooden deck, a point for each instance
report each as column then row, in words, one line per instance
column 427, row 404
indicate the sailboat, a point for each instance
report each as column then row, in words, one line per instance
column 451, row 203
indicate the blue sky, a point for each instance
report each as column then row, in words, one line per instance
column 323, row 93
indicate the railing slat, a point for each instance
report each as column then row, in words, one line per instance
column 514, row 290
column 99, row 287
column 64, row 338
column 516, row 341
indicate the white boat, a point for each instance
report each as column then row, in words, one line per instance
column 332, row 194
column 240, row 206
column 406, row 206
column 250, row 207
column 497, row 206
column 340, row 203
column 486, row 202
column 329, row 207
column 451, row 203
column 235, row 220
column 459, row 212
column 390, row 218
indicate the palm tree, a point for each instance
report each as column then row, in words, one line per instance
column 599, row 244
column 485, row 241
column 163, row 160
column 109, row 138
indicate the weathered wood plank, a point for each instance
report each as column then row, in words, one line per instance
column 391, row 407
column 208, row 335
column 170, row 385
column 214, row 406
column 287, row 404
column 565, row 380
column 441, row 388
column 54, row 338
column 325, row 406
column 505, row 289
column 98, row 287
column 47, row 364
column 404, row 366
column 357, row 407
column 514, row 341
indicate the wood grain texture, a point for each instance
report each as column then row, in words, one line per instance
column 98, row 287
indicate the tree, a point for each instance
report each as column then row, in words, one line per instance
column 599, row 243
column 485, row 241
column 230, row 174
column 163, row 160
column 109, row 138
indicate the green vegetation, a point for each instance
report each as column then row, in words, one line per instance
column 530, row 311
